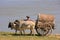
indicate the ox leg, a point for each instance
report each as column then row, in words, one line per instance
column 20, row 32
column 33, row 32
column 24, row 32
column 15, row 31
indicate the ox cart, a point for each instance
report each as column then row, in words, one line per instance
column 44, row 24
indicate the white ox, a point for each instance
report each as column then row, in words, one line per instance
column 22, row 26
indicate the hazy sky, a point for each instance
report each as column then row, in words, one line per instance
column 20, row 2
column 32, row 6
column 29, row 7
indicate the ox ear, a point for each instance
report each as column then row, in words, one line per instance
column 9, row 25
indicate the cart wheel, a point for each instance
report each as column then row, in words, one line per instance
column 42, row 32
column 45, row 30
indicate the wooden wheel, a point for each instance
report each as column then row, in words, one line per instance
column 42, row 32
column 45, row 30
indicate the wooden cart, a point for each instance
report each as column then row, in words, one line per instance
column 44, row 24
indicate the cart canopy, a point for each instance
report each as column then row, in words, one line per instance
column 46, row 18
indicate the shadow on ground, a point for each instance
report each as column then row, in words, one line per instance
column 18, row 34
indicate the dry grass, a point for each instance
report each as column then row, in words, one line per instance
column 11, row 36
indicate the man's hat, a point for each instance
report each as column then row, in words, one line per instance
column 27, row 16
